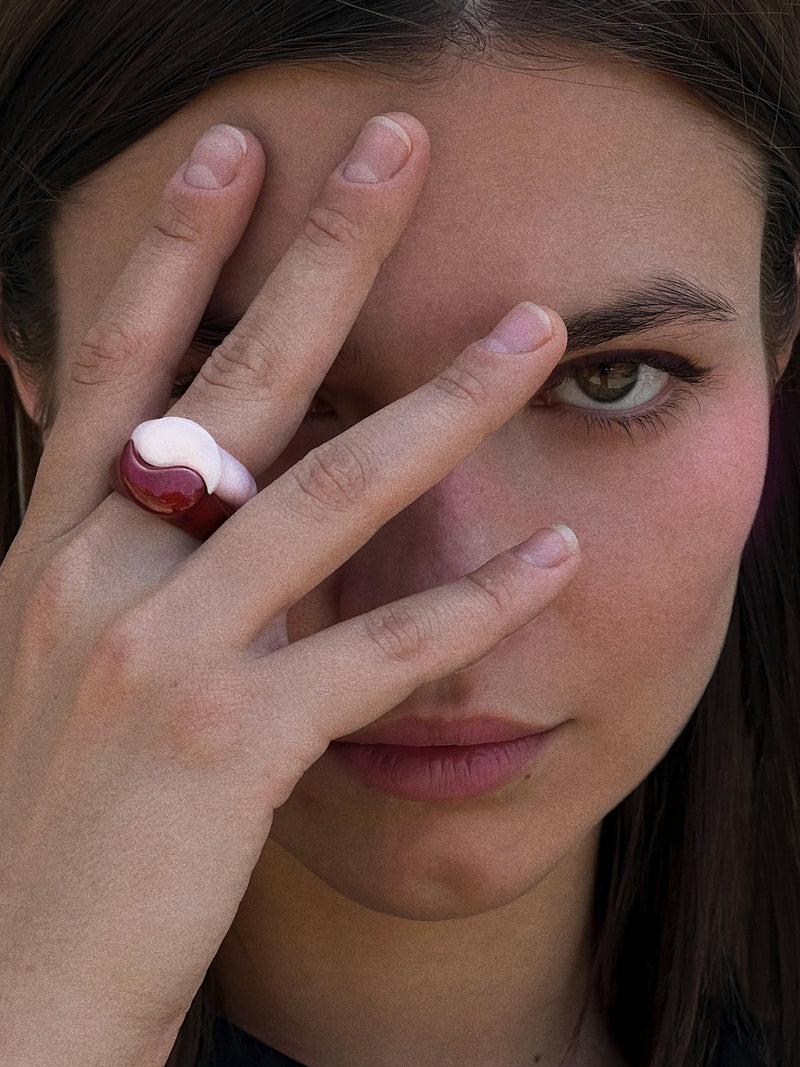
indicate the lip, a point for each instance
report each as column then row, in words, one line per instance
column 478, row 730
column 434, row 760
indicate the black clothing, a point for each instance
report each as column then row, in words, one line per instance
column 236, row 1048
column 734, row 1051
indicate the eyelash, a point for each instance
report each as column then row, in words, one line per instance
column 690, row 377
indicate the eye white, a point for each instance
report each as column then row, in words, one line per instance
column 649, row 383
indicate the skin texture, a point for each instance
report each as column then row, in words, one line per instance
column 461, row 929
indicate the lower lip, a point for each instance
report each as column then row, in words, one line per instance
column 440, row 772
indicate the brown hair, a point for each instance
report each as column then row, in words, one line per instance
column 697, row 905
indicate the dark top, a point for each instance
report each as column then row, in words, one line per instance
column 236, row 1048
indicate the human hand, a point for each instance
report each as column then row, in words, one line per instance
column 153, row 712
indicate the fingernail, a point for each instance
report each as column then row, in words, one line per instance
column 217, row 158
column 383, row 146
column 524, row 328
column 550, row 547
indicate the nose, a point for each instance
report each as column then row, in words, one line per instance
column 453, row 528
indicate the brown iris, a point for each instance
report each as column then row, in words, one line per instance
column 607, row 382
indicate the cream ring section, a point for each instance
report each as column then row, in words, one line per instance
column 236, row 484
column 175, row 442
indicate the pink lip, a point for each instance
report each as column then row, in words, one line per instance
column 436, row 760
column 425, row 732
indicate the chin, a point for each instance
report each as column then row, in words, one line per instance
column 426, row 891
column 417, row 861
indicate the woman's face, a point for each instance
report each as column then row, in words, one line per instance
column 589, row 189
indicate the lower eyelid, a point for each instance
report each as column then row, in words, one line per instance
column 652, row 421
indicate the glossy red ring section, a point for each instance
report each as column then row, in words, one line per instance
column 175, row 491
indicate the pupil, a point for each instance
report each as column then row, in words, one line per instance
column 608, row 381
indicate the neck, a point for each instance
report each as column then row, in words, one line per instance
column 326, row 980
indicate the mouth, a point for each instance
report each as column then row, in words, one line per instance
column 417, row 759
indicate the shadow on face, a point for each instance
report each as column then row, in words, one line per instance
column 582, row 189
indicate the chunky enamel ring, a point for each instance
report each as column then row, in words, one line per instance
column 175, row 469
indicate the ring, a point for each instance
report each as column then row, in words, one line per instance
column 173, row 468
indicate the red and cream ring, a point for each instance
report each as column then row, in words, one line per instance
column 174, row 468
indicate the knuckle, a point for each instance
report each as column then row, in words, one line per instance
column 399, row 634
column 59, row 588
column 335, row 475
column 200, row 729
column 462, row 384
column 119, row 653
column 106, row 346
column 496, row 593
column 328, row 230
column 192, row 724
column 242, row 361
column 173, row 222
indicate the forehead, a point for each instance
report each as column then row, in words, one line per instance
column 561, row 185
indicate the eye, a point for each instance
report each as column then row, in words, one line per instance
column 609, row 382
column 626, row 391
column 614, row 386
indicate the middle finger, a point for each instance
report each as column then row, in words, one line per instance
column 255, row 387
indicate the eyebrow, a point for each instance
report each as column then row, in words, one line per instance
column 663, row 300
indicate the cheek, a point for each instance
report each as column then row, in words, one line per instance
column 624, row 653
column 662, row 526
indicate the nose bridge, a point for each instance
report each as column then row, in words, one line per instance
column 448, row 531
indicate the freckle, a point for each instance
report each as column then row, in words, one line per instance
column 528, row 776
column 536, row 1058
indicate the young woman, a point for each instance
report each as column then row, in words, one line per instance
column 470, row 736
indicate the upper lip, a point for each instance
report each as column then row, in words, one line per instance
column 424, row 733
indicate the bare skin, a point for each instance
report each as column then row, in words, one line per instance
column 368, row 925
column 143, row 757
